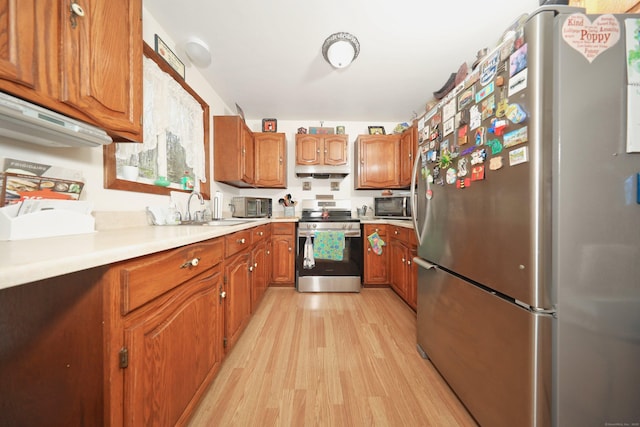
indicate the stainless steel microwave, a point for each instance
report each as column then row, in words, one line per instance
column 398, row 207
column 251, row 207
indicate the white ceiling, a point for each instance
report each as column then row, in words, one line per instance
column 266, row 55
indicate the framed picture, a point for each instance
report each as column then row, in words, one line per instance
column 269, row 125
column 167, row 54
column 321, row 130
column 340, row 130
column 376, row 130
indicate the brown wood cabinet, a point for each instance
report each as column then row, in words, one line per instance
column 246, row 159
column 378, row 161
column 408, row 151
column 233, row 147
column 166, row 339
column 403, row 272
column 321, row 149
column 260, row 269
column 237, row 280
column 89, row 67
column 376, row 267
column 270, row 160
column 283, row 242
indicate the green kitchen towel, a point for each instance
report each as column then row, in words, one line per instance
column 376, row 243
column 328, row 245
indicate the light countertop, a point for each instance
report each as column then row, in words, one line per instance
column 25, row 261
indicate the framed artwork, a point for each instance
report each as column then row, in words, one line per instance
column 376, row 130
column 167, row 54
column 321, row 131
column 269, row 125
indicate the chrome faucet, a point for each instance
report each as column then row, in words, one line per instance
column 188, row 215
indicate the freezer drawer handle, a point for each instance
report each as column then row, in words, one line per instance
column 422, row 263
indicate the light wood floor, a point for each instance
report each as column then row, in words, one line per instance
column 329, row 360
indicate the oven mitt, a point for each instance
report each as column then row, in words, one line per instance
column 376, row 243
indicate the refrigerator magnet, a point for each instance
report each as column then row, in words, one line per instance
column 495, row 163
column 477, row 173
column 495, row 145
column 515, row 137
column 452, row 176
column 463, row 165
column 478, row 156
column 515, row 113
column 518, row 156
column 463, row 183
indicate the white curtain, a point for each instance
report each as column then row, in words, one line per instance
column 168, row 108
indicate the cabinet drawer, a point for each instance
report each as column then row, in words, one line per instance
column 381, row 229
column 148, row 277
column 283, row 228
column 401, row 233
column 236, row 242
column 259, row 233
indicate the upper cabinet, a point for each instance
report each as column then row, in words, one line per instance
column 244, row 159
column 385, row 161
column 87, row 65
column 314, row 150
column 270, row 160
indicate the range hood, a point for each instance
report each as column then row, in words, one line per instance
column 322, row 171
column 28, row 122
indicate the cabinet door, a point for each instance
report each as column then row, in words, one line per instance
column 238, row 300
column 270, row 155
column 102, row 63
column 408, row 147
column 248, row 155
column 17, row 54
column 258, row 271
column 398, row 263
column 172, row 350
column 308, row 150
column 283, row 259
column 379, row 161
column 376, row 267
column 335, row 150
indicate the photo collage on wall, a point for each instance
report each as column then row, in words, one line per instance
column 480, row 124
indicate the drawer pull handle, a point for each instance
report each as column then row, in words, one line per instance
column 193, row 263
column 241, row 241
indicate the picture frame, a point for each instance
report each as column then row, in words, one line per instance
column 321, row 131
column 269, row 125
column 167, row 54
column 377, row 130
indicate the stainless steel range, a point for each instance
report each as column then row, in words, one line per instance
column 329, row 250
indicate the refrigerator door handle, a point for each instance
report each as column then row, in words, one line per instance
column 414, row 198
column 422, row 263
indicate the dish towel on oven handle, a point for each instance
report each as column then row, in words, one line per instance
column 308, row 261
column 329, row 245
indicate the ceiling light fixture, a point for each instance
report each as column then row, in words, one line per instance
column 340, row 49
column 198, row 52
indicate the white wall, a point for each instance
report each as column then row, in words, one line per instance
column 89, row 160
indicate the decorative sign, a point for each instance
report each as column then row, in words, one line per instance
column 591, row 38
column 167, row 54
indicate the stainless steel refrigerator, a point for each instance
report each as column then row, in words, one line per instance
column 529, row 250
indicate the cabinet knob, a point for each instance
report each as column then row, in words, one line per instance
column 191, row 263
column 241, row 241
column 255, row 265
column 76, row 12
column 289, row 248
column 368, row 249
column 223, row 295
column 395, row 232
column 403, row 260
column 251, row 268
column 268, row 252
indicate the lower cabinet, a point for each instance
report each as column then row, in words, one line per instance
column 376, row 266
column 283, row 243
column 238, row 297
column 165, row 340
column 395, row 266
column 173, row 347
